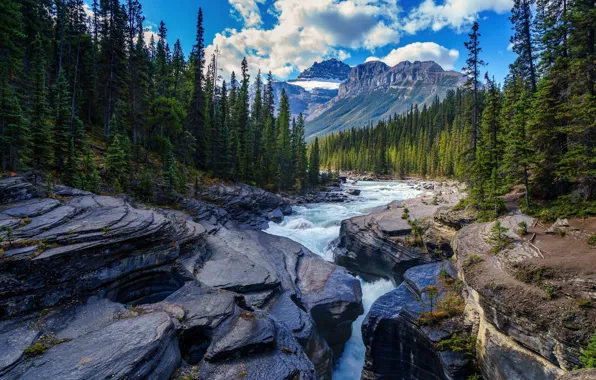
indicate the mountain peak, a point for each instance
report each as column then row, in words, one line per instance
column 331, row 70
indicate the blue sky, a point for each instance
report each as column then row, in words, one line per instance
column 287, row 36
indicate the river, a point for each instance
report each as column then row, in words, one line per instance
column 316, row 226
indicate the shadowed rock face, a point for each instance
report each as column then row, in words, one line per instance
column 240, row 203
column 397, row 346
column 97, row 288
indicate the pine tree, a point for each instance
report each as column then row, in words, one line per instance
column 62, row 135
column 299, row 152
column 283, row 149
column 523, row 42
column 40, row 127
column 314, row 166
column 472, row 71
column 170, row 171
column 118, row 161
column 196, row 122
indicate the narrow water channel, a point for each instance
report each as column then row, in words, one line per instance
column 316, row 226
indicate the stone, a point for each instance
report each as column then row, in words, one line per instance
column 354, row 192
column 276, row 216
column 559, row 227
column 247, row 333
column 139, row 347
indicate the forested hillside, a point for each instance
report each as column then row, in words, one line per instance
column 86, row 99
column 538, row 129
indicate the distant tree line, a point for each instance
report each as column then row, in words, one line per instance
column 90, row 101
column 537, row 130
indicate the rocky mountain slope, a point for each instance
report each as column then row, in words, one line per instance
column 330, row 70
column 375, row 91
column 94, row 287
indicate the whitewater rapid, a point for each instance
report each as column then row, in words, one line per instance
column 316, row 226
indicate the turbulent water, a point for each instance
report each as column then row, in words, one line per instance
column 317, row 226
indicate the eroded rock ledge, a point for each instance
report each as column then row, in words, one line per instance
column 528, row 297
column 93, row 288
column 375, row 245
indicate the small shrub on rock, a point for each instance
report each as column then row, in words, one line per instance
column 464, row 343
column 498, row 238
column 592, row 240
column 406, row 214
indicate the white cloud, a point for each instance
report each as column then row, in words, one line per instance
column 306, row 31
column 510, row 46
column 456, row 14
column 248, row 11
column 421, row 51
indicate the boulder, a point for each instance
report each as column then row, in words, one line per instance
column 559, row 227
column 276, row 216
column 354, row 192
column 372, row 246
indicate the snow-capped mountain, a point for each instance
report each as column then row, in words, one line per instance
column 313, row 87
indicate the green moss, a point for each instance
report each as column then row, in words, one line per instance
column 44, row 343
column 592, row 240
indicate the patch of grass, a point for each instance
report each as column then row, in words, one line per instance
column 472, row 260
column 25, row 221
column 44, row 343
column 566, row 207
column 106, row 229
column 461, row 205
column 584, row 303
column 550, row 290
column 592, row 240
column 523, row 229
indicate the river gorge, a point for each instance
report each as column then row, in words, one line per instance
column 317, row 227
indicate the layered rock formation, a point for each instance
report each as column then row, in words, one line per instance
column 92, row 288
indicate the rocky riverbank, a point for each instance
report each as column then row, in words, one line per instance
column 380, row 244
column 515, row 306
column 94, row 287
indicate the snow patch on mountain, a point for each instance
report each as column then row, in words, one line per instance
column 311, row 85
